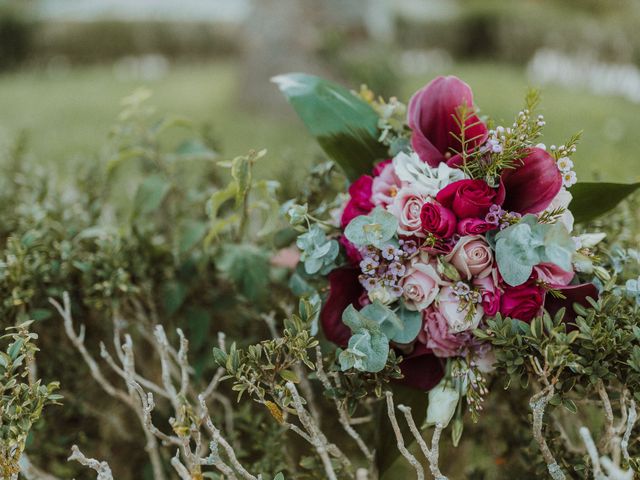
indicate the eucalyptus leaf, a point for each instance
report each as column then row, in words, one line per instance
column 375, row 229
column 345, row 126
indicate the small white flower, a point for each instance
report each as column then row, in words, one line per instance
column 565, row 164
column 569, row 178
column 542, row 146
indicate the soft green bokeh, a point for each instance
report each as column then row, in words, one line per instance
column 68, row 115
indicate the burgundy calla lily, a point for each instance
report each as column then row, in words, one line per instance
column 432, row 117
column 573, row 294
column 421, row 369
column 532, row 186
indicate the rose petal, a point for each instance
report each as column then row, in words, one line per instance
column 421, row 369
column 344, row 290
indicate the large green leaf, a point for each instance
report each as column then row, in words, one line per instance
column 345, row 126
column 592, row 199
column 388, row 457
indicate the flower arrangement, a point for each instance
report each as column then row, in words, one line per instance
column 459, row 221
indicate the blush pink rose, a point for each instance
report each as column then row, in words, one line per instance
column 385, row 186
column 438, row 220
column 472, row 257
column 420, row 285
column 437, row 336
column 490, row 294
column 473, row 226
column 448, row 305
column 470, row 198
column 523, row 302
column 552, row 274
column 406, row 207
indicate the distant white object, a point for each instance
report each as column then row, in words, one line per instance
column 145, row 67
column 550, row 66
column 224, row 11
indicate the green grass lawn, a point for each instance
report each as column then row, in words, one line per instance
column 68, row 116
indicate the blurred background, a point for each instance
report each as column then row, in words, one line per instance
column 65, row 65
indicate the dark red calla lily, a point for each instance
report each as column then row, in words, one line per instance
column 573, row 294
column 532, row 186
column 421, row 369
column 432, row 118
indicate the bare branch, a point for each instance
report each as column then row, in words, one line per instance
column 102, row 468
column 400, row 439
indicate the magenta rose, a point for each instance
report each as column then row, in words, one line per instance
column 469, row 198
column 490, row 294
column 433, row 118
column 523, row 302
column 472, row 257
column 437, row 336
column 532, row 186
column 438, row 220
column 360, row 201
column 473, row 226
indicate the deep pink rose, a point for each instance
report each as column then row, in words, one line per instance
column 490, row 294
column 437, row 336
column 471, row 256
column 438, row 220
column 360, row 201
column 385, row 185
column 532, row 186
column 474, row 226
column 432, row 115
column 552, row 274
column 523, row 302
column 353, row 253
column 469, row 198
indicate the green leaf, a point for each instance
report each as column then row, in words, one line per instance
column 368, row 347
column 592, row 199
column 247, row 267
column 191, row 232
column 411, row 323
column 150, row 194
column 345, row 126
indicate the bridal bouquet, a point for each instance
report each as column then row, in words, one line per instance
column 450, row 220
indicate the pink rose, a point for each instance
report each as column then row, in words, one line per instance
column 474, row 226
column 472, row 257
column 406, row 207
column 470, row 198
column 552, row 274
column 523, row 302
column 532, row 186
column 420, row 285
column 433, row 117
column 360, row 201
column 437, row 336
column 385, row 186
column 458, row 319
column 438, row 220
column 490, row 294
